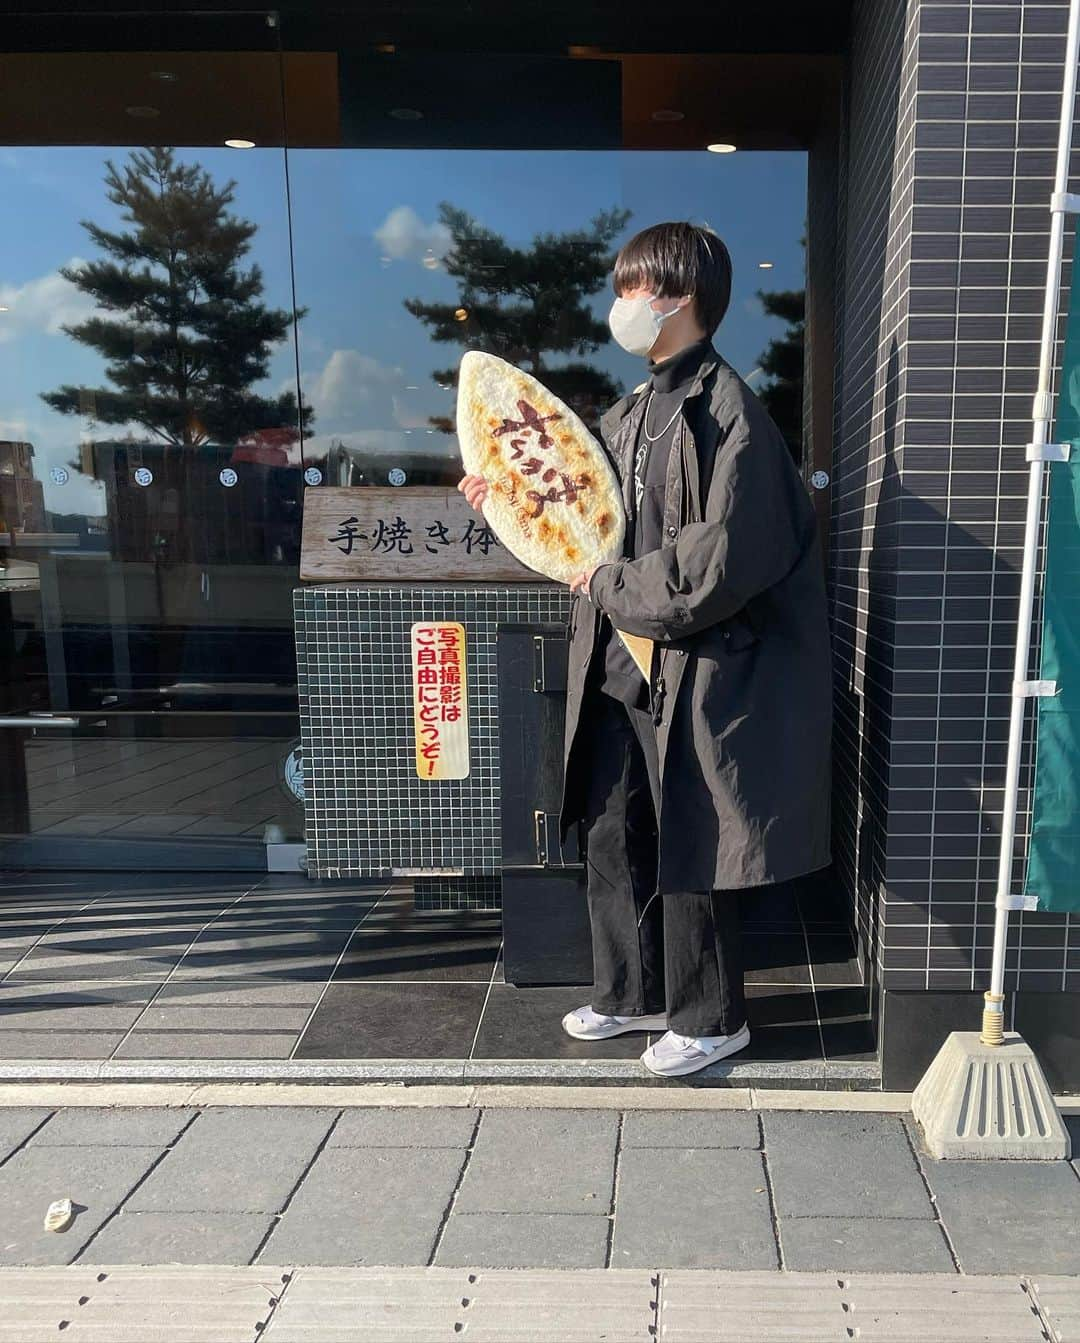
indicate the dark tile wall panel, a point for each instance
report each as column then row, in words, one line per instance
column 367, row 812
column 873, row 208
column 944, row 265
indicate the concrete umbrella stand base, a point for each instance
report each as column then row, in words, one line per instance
column 988, row 1100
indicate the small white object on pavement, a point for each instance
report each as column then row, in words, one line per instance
column 59, row 1215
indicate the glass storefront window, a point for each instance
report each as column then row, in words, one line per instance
column 406, row 258
column 238, row 257
column 150, row 464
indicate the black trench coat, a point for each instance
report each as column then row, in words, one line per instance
column 741, row 690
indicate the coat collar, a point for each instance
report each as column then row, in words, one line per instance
column 611, row 419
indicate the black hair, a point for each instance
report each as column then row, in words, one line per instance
column 679, row 258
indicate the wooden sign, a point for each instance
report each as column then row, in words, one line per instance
column 440, row 703
column 372, row 533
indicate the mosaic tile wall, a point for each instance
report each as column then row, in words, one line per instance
column 948, row 159
column 367, row 812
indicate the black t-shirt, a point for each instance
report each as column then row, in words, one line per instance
column 669, row 381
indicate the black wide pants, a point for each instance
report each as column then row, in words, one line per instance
column 680, row 952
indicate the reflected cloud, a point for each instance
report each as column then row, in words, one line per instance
column 44, row 304
column 347, row 383
column 403, row 236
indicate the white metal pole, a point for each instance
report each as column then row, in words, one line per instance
column 994, row 998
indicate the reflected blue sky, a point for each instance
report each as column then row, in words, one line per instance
column 365, row 234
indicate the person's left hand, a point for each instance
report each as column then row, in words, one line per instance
column 582, row 580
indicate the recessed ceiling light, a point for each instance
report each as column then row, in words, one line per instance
column 431, row 262
column 142, row 112
column 765, row 265
column 166, row 76
column 668, row 114
column 240, row 144
column 4, row 307
column 386, row 48
column 720, row 149
column 461, row 315
column 412, row 386
column 406, row 114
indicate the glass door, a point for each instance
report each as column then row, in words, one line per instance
column 150, row 447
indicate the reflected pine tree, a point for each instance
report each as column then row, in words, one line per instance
column 528, row 305
column 782, row 361
column 180, row 321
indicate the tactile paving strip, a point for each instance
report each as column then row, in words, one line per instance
column 488, row 1306
column 433, row 1305
column 136, row 1305
column 766, row 1307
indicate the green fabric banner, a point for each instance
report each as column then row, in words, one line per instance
column 1053, row 873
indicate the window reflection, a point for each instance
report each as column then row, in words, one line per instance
column 405, row 259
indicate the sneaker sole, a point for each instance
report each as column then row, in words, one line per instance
column 639, row 1024
column 733, row 1046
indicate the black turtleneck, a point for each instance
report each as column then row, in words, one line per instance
column 669, row 381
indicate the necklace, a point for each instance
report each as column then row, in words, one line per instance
column 653, row 438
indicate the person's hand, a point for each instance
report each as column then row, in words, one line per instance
column 475, row 489
column 581, row 581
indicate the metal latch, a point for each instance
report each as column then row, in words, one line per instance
column 549, row 850
column 551, row 656
column 1028, row 902
column 1035, row 689
column 1048, row 452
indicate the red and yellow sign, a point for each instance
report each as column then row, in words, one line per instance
column 440, row 707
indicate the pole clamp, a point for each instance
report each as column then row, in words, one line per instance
column 1066, row 202
column 1035, row 689
column 1048, row 452
column 1028, row 902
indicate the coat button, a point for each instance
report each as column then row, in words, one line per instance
column 673, row 531
column 727, row 634
column 681, row 652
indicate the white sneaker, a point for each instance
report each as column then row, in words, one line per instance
column 585, row 1024
column 674, row 1054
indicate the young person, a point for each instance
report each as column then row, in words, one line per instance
column 713, row 775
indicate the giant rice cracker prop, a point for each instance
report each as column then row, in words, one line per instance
column 553, row 499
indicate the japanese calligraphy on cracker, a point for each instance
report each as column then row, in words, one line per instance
column 440, row 706
column 553, row 499
column 370, row 533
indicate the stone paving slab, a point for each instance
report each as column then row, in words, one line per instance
column 96, row 1179
column 221, row 993
column 868, row 1244
column 840, row 1165
column 17, row 1125
column 993, row 1189
column 149, row 1238
column 405, row 1127
column 104, row 1127
column 695, row 1129
column 368, row 1205
column 68, row 1049
column 151, row 1044
column 525, row 1240
column 569, row 1160
column 698, row 1207
column 236, row 1161
column 1028, row 1243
